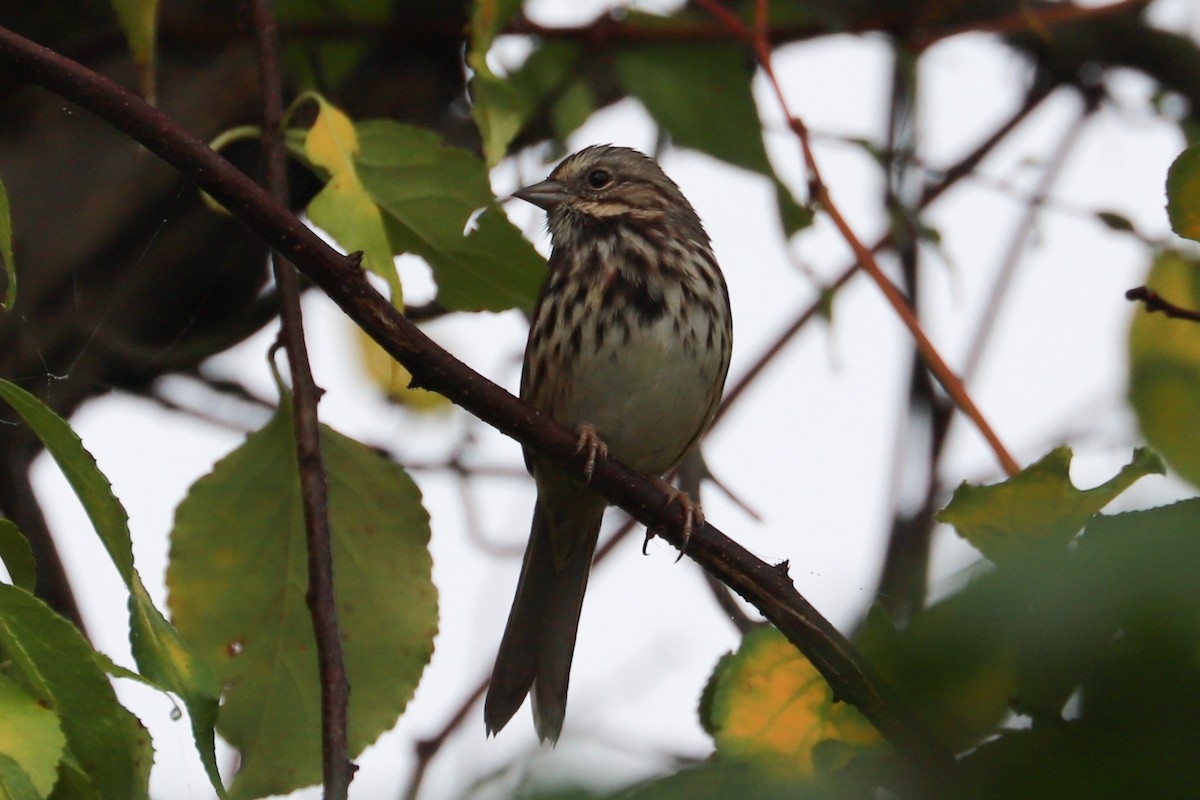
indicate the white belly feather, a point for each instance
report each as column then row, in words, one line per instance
column 646, row 397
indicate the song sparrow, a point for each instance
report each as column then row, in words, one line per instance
column 629, row 345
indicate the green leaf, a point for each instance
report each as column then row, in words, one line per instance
column 107, row 751
column 343, row 208
column 1116, row 221
column 1164, row 367
column 110, row 667
column 497, row 108
column 430, row 193
column 549, row 80
column 574, row 106
column 1038, row 507
column 80, row 470
column 793, row 216
column 954, row 663
column 160, row 653
column 139, row 21
column 1183, row 193
column 30, row 737
column 1120, row 620
column 1145, row 561
column 6, row 251
column 699, row 93
column 238, row 577
column 17, row 556
column 15, row 783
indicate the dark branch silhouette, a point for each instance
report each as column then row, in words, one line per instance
column 1154, row 302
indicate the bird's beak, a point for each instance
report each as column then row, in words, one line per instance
column 547, row 194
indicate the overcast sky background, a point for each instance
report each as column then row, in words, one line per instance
column 811, row 447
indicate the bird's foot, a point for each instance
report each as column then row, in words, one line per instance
column 592, row 446
column 693, row 515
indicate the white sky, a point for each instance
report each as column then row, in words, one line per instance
column 811, row 447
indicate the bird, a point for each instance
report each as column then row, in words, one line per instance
column 629, row 345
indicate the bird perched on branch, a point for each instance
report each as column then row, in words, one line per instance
column 629, row 346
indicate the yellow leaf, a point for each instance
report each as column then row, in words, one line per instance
column 331, row 143
column 343, row 208
column 770, row 701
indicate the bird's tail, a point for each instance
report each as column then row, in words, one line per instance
column 539, row 640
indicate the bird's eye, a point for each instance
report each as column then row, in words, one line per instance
column 598, row 178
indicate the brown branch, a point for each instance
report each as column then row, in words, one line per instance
column 337, row 769
column 1153, row 302
column 766, row 587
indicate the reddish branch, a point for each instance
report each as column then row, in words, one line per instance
column 766, row 587
column 337, row 769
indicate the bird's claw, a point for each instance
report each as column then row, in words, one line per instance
column 693, row 517
column 592, row 445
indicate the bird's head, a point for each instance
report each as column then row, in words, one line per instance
column 607, row 184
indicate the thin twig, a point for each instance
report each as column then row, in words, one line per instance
column 767, row 587
column 1153, row 302
column 337, row 768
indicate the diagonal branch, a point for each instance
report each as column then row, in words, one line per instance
column 766, row 587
